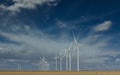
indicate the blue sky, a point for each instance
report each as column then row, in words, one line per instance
column 30, row 29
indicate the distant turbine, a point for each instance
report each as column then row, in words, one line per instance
column 41, row 58
column 19, row 66
column 39, row 63
column 61, row 58
column 56, row 62
column 68, row 57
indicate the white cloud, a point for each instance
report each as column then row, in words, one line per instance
column 18, row 60
column 103, row 26
column 27, row 4
column 67, row 25
column 61, row 24
column 37, row 42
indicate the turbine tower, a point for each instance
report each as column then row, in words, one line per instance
column 39, row 63
column 19, row 66
column 66, row 58
column 61, row 58
column 56, row 62
column 69, row 55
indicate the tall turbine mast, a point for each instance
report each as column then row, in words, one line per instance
column 61, row 58
column 56, row 62
column 39, row 63
column 69, row 55
column 19, row 66
column 66, row 58
column 78, row 56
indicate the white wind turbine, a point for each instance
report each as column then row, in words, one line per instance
column 19, row 66
column 78, row 54
column 56, row 62
column 40, row 63
column 69, row 56
column 41, row 58
column 61, row 58
column 66, row 58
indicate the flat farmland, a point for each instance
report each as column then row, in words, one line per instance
column 59, row 72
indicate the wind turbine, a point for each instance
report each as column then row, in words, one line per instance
column 39, row 63
column 66, row 58
column 56, row 62
column 41, row 58
column 69, row 56
column 78, row 54
column 19, row 66
column 61, row 58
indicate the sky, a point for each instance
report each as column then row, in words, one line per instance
column 30, row 29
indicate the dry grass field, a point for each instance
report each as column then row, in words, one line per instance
column 59, row 73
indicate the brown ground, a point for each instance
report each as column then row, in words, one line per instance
column 59, row 73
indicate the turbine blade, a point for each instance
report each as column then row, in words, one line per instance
column 73, row 51
column 74, row 38
column 70, row 46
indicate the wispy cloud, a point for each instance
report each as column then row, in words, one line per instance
column 32, row 43
column 66, row 25
column 26, row 4
column 61, row 24
column 103, row 26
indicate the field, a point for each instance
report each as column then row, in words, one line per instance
column 59, row 73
